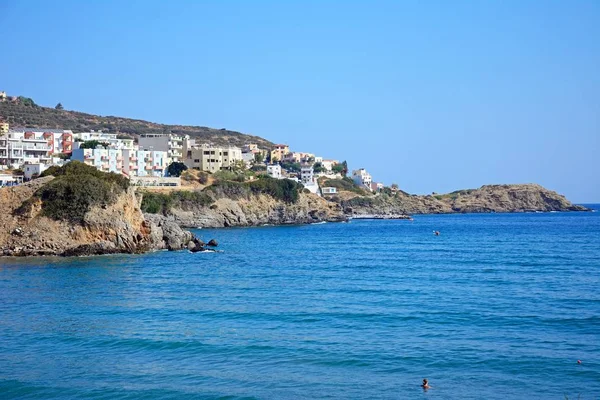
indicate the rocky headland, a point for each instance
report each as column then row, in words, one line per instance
column 118, row 227
column 486, row 199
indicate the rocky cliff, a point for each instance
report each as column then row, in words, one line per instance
column 118, row 228
column 256, row 210
column 489, row 198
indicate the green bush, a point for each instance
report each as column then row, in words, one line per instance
column 76, row 188
column 281, row 189
column 160, row 203
column 176, row 169
column 156, row 203
column 346, row 184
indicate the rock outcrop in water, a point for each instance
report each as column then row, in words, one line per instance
column 489, row 198
column 118, row 228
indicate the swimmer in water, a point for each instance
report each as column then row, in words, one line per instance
column 425, row 384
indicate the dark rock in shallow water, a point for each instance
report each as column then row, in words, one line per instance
column 212, row 243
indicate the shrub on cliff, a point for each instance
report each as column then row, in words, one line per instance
column 160, row 203
column 346, row 184
column 76, row 188
column 280, row 189
column 156, row 203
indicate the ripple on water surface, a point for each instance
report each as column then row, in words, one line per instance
column 497, row 306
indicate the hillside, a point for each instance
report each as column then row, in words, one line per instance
column 20, row 114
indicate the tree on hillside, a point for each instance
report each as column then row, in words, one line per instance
column 259, row 157
column 318, row 167
column 26, row 101
column 394, row 186
column 92, row 144
column 59, row 106
column 291, row 167
column 341, row 168
column 176, row 168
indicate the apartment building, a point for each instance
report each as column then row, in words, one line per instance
column 130, row 162
column 212, row 158
column 274, row 171
column 362, row 178
column 103, row 137
column 307, row 174
column 298, row 157
column 279, row 151
column 19, row 148
column 173, row 144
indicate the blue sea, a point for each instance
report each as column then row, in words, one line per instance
column 499, row 306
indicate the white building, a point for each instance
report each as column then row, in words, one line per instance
column 307, row 174
column 307, row 177
column 34, row 169
column 129, row 162
column 328, row 190
column 59, row 140
column 362, row 178
column 274, row 171
column 171, row 143
column 329, row 164
column 212, row 158
column 109, row 138
column 19, row 148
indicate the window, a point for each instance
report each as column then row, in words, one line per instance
column 224, row 153
column 206, row 152
column 196, row 161
column 212, row 153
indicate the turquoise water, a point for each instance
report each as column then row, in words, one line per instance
column 496, row 307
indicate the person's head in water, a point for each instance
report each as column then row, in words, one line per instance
column 425, row 383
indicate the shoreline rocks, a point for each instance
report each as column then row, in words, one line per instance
column 117, row 228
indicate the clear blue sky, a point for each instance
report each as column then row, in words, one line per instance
column 433, row 95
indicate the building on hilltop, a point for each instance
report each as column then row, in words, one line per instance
column 307, row 174
column 274, row 171
column 4, row 126
column 376, row 186
column 110, row 139
column 307, row 177
column 329, row 190
column 172, row 143
column 3, row 96
column 298, row 157
column 279, row 151
column 212, row 158
column 329, row 164
column 362, row 178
